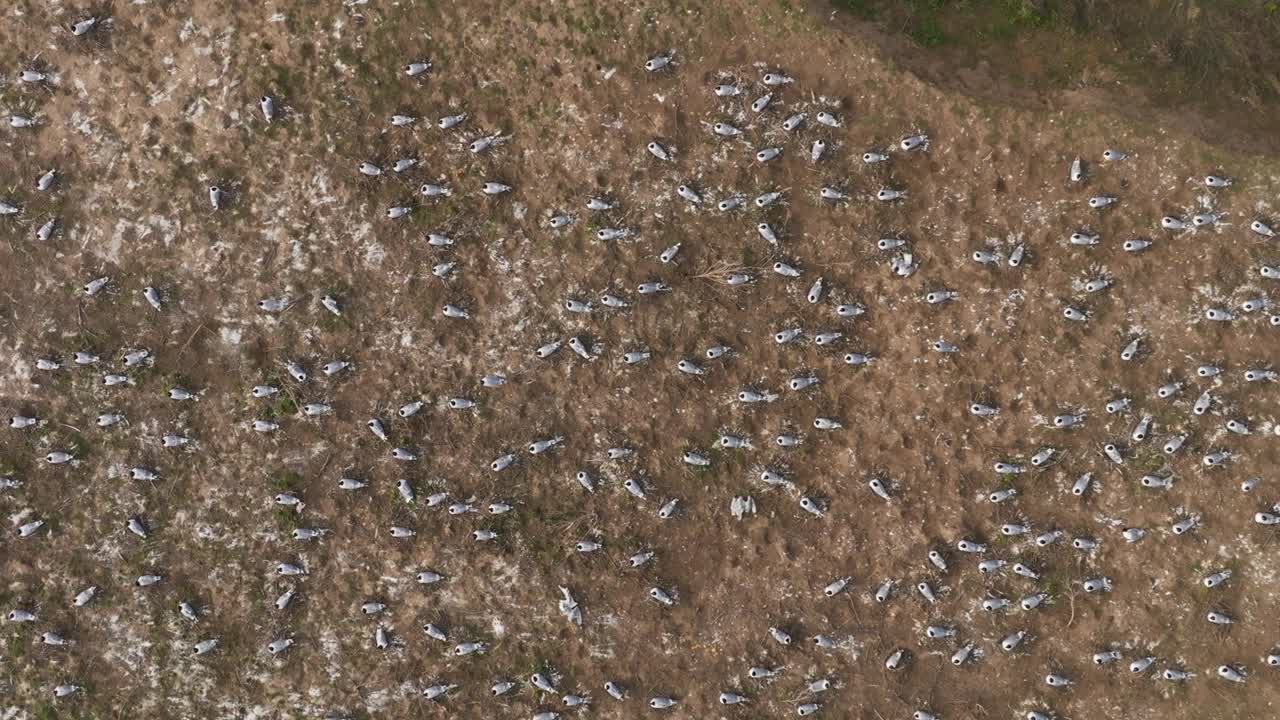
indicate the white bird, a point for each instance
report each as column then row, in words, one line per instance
column 793, row 122
column 725, row 130
column 912, row 143
column 81, row 27
column 487, row 142
column 660, row 61
column 689, row 195
column 153, row 297
column 29, row 529
column 764, row 155
column 45, row 181
column 204, row 646
column 1077, row 171
column 275, row 647
column 331, row 304
column 84, row 597
column 45, row 232
column 569, row 607
column 817, row 149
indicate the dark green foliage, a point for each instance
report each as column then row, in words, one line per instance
column 1223, row 49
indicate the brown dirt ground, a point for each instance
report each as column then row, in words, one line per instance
column 143, row 116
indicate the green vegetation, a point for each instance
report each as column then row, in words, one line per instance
column 1055, row 584
column 1148, row 458
column 282, row 406
column 285, row 481
column 15, row 648
column 287, row 519
column 865, row 9
column 1221, row 54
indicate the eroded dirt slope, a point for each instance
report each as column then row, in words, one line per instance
column 143, row 114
